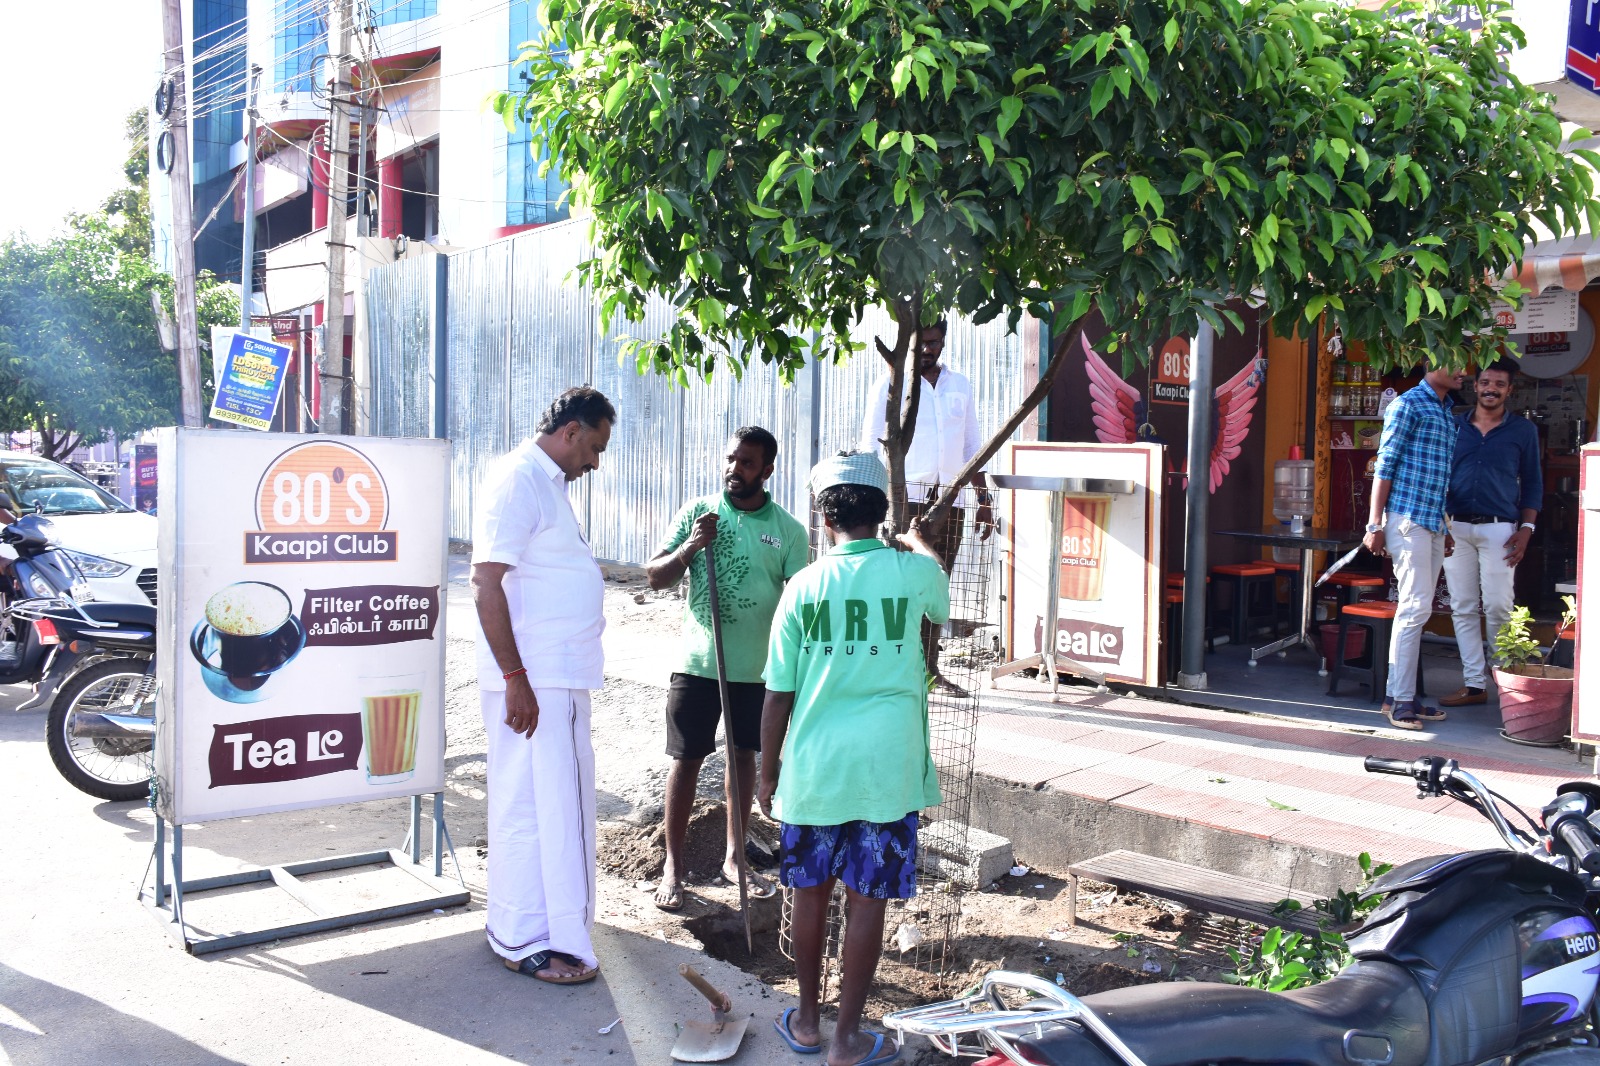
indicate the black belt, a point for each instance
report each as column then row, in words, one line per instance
column 1480, row 519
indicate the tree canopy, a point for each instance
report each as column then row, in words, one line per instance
column 80, row 355
column 774, row 166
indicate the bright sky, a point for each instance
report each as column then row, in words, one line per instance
column 74, row 70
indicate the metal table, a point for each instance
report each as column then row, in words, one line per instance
column 1307, row 541
column 1057, row 487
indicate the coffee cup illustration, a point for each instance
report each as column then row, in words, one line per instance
column 248, row 634
column 390, row 707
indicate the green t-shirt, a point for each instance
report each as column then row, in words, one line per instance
column 757, row 551
column 847, row 641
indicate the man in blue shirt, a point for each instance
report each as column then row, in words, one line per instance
column 1496, row 490
column 1406, row 523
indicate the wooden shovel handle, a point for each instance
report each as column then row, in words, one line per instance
column 718, row 999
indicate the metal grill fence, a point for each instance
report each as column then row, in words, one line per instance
column 518, row 328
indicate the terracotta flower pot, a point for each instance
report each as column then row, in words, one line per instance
column 1537, row 705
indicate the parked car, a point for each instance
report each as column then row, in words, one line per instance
column 113, row 544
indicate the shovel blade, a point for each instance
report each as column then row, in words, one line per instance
column 709, row 1041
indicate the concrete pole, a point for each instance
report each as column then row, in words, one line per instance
column 330, row 418
column 247, row 251
column 182, row 199
column 1192, row 665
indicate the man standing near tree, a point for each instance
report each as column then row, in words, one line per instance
column 1496, row 490
column 1406, row 522
column 539, row 596
column 845, row 759
column 758, row 546
column 943, row 438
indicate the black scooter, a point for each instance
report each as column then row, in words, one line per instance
column 1485, row 956
column 92, row 664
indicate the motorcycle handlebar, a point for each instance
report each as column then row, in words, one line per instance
column 1376, row 765
column 1576, row 836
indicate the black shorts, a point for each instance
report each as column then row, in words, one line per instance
column 694, row 707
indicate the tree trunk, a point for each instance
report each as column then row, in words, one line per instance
column 900, row 421
column 1058, row 356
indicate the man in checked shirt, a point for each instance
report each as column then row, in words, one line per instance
column 1406, row 523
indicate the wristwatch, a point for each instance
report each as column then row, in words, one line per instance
column 1529, row 526
column 1374, row 527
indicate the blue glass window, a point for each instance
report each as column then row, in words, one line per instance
column 300, row 35
column 219, row 84
column 390, row 12
column 529, row 197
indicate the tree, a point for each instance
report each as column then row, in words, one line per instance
column 80, row 355
column 129, row 207
column 774, row 167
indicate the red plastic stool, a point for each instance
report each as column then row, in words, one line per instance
column 1255, row 601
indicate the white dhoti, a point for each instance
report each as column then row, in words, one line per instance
column 541, row 828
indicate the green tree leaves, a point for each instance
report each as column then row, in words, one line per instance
column 1148, row 158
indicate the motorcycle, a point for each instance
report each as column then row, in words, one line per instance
column 1484, row 956
column 91, row 663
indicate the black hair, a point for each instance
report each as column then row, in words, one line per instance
column 578, row 404
column 853, row 506
column 1505, row 366
column 939, row 324
column 757, row 435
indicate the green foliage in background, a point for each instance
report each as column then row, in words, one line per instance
column 1283, row 960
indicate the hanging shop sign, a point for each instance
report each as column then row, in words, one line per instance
column 1553, row 310
column 1553, row 353
column 1108, row 572
column 250, row 382
column 285, row 682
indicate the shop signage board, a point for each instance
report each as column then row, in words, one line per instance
column 1109, row 559
column 301, row 618
column 250, row 382
column 1583, row 45
column 1170, row 373
column 1586, row 686
column 1555, row 310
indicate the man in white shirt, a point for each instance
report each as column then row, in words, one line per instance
column 539, row 596
column 945, row 438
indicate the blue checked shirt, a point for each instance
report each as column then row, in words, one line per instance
column 1415, row 455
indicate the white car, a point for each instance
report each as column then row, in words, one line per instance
column 114, row 544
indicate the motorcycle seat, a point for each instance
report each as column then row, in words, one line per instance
column 1185, row 1023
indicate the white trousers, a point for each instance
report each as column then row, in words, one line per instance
column 1417, row 554
column 541, row 828
column 1478, row 568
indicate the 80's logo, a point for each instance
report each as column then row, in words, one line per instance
column 321, row 501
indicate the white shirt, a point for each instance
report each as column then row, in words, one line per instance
column 554, row 589
column 947, row 428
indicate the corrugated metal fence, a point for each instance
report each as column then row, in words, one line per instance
column 519, row 328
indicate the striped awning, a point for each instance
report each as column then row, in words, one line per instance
column 1570, row 262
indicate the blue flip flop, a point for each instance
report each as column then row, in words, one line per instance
column 781, row 1024
column 876, row 1057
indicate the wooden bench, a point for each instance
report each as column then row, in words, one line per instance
column 1193, row 886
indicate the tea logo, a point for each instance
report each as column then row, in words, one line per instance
column 321, row 502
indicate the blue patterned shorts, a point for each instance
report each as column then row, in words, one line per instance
column 874, row 859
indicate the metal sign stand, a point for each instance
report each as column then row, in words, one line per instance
column 166, row 901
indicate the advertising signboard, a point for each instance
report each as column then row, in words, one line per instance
column 1583, row 45
column 250, row 382
column 301, row 613
column 1108, row 561
column 1586, row 682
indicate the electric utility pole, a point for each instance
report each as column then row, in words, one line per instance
column 247, row 272
column 330, row 417
column 181, row 195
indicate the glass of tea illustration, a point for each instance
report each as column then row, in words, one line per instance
column 1083, row 544
column 390, row 705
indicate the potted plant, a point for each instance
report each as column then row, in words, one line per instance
column 1535, row 699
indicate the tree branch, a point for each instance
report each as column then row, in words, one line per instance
column 1058, row 358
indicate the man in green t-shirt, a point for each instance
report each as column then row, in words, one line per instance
column 845, row 759
column 758, row 546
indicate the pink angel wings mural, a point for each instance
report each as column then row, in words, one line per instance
column 1120, row 412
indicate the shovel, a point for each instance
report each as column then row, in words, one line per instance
column 735, row 816
column 710, row 1041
